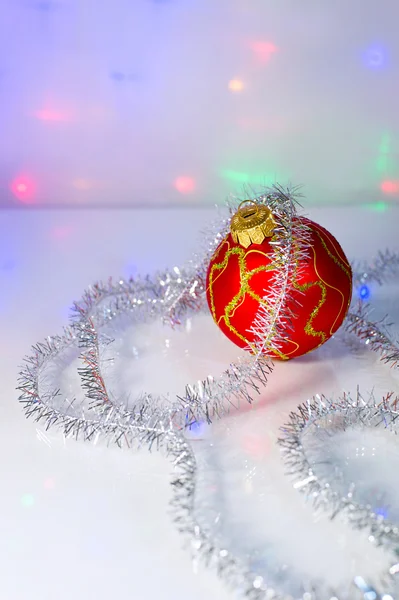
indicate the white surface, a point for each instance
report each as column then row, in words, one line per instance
column 112, row 102
column 99, row 522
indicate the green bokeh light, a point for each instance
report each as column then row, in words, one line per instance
column 384, row 164
column 242, row 177
column 378, row 206
column 27, row 500
column 385, row 144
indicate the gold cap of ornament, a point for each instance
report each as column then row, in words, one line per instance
column 252, row 223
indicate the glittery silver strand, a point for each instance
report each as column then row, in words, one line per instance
column 203, row 400
column 205, row 551
column 173, row 296
column 183, row 293
column 353, row 411
column 202, row 547
column 291, row 243
column 290, row 247
column 146, row 425
column 350, row 412
column 344, row 413
column 384, row 266
column 374, row 334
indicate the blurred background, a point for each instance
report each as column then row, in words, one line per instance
column 122, row 103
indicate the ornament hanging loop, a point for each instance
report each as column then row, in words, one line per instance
column 246, row 211
column 252, row 223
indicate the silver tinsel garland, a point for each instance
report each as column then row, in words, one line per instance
column 174, row 296
column 347, row 412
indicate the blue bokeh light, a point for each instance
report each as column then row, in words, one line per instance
column 364, row 292
column 382, row 511
column 197, row 426
column 376, row 57
column 117, row 76
column 195, row 429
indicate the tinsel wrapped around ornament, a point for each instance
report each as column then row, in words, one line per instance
column 314, row 280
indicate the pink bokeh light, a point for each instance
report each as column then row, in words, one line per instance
column 184, row 184
column 47, row 114
column 256, row 446
column 24, row 189
column 263, row 50
column 61, row 232
column 49, row 483
column 390, row 187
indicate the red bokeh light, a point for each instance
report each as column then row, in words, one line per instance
column 264, row 50
column 184, row 184
column 24, row 189
column 390, row 187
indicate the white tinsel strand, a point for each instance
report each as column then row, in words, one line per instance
column 152, row 429
column 354, row 411
column 163, row 295
column 374, row 334
column 203, row 400
column 290, row 248
column 178, row 293
column 146, row 426
column 204, row 550
column 384, row 266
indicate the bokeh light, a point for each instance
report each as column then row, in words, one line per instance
column 49, row 483
column 184, row 184
column 378, row 206
column 47, row 114
column 385, row 144
column 195, row 430
column 390, row 187
column 27, row 500
column 384, row 163
column 375, row 57
column 382, row 511
column 236, row 85
column 61, row 232
column 364, row 292
column 117, row 75
column 24, row 189
column 241, row 177
column 256, row 446
column 263, row 50
column 82, row 184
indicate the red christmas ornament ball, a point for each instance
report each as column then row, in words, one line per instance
column 238, row 279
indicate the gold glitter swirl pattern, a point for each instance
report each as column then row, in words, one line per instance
column 245, row 288
column 333, row 241
column 333, row 257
